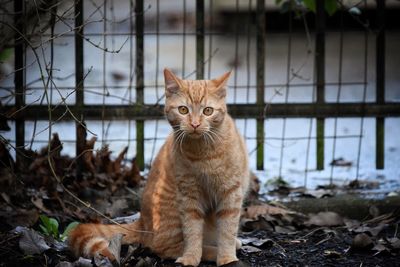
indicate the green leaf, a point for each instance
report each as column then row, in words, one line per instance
column 331, row 6
column 310, row 4
column 278, row 2
column 54, row 227
column 68, row 230
column 44, row 230
column 5, row 54
column 49, row 226
column 45, row 221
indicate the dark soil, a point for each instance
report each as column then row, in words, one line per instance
column 305, row 248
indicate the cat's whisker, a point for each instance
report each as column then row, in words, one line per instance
column 177, row 135
column 210, row 137
column 181, row 141
column 215, row 134
column 206, row 137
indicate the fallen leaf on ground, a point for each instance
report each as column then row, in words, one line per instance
column 252, row 212
column 332, row 254
column 31, row 242
column 374, row 231
column 260, row 224
column 257, row 242
column 115, row 246
column 101, row 261
column 379, row 248
column 362, row 241
column 65, row 264
column 394, row 242
column 250, row 249
column 326, row 218
column 117, row 206
column 38, row 202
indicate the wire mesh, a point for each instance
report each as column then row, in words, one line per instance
column 112, row 74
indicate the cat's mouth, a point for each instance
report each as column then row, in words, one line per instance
column 194, row 133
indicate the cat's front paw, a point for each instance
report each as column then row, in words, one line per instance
column 222, row 260
column 189, row 260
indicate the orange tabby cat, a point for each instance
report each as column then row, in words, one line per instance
column 192, row 200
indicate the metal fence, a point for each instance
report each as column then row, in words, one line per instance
column 247, row 20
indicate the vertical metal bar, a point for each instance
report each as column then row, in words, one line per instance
column 210, row 40
column 131, row 69
column 364, row 96
column 80, row 133
column 288, row 74
column 103, row 108
column 236, row 59
column 260, row 81
column 19, row 77
column 139, row 81
column 184, row 40
column 380, row 83
column 338, row 95
column 320, row 73
column 200, row 39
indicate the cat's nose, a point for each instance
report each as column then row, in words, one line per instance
column 195, row 125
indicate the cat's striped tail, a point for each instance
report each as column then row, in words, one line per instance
column 89, row 239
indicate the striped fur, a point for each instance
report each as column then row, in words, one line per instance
column 192, row 200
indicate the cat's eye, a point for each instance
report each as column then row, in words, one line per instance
column 208, row 111
column 183, row 110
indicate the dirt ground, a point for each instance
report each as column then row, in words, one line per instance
column 39, row 203
column 321, row 247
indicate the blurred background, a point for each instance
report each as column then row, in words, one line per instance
column 314, row 91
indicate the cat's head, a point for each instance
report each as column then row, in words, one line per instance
column 195, row 107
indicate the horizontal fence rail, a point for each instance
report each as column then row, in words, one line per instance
column 250, row 111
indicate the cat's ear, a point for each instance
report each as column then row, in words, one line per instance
column 220, row 84
column 172, row 83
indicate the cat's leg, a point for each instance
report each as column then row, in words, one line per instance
column 192, row 217
column 228, row 215
column 172, row 252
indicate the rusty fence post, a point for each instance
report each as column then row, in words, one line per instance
column 260, row 81
column 380, row 83
column 200, row 39
column 320, row 77
column 139, row 81
column 79, row 83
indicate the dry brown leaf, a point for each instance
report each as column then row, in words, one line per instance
column 374, row 231
column 252, row 212
column 326, row 218
column 117, row 162
column 379, row 248
column 254, row 188
column 394, row 242
column 362, row 241
column 38, row 202
column 260, row 224
column 117, row 207
column 20, row 217
column 88, row 157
